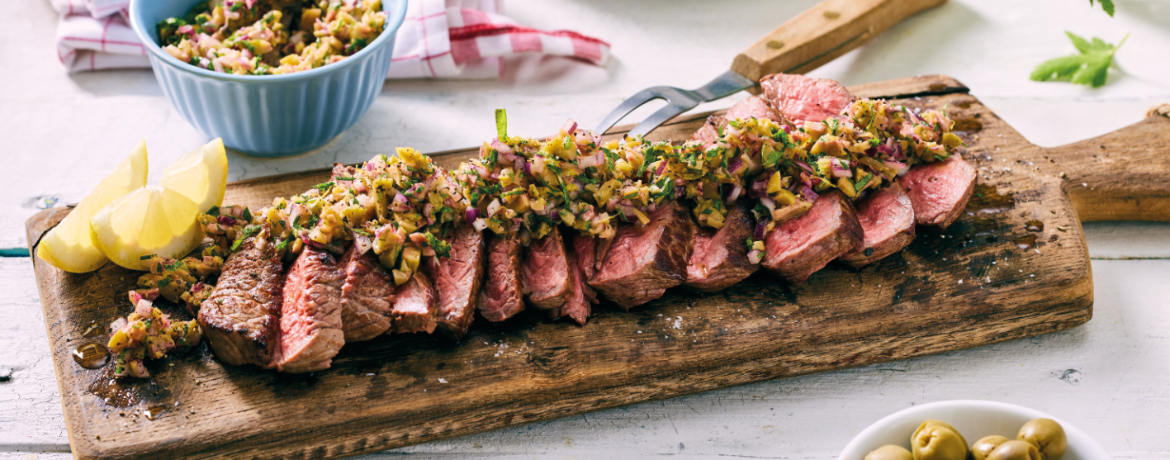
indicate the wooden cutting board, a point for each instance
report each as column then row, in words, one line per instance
column 1015, row 265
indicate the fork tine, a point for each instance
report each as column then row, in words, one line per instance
column 627, row 106
column 659, row 117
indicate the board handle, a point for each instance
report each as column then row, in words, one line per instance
column 1122, row 175
column 822, row 33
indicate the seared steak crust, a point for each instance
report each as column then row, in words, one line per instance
column 457, row 280
column 242, row 315
column 310, row 320
column 415, row 305
column 939, row 191
column 720, row 258
column 799, row 247
column 545, row 271
column 366, row 296
column 887, row 222
column 501, row 296
column 644, row 261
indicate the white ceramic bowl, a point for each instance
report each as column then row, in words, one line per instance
column 974, row 419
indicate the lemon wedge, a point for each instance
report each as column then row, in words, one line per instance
column 200, row 175
column 149, row 221
column 68, row 246
column 162, row 220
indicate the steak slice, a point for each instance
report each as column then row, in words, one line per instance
column 644, row 261
column 799, row 247
column 242, row 316
column 939, row 191
column 458, row 279
column 578, row 305
column 310, row 318
column 415, row 306
column 545, row 273
column 800, row 98
column 366, row 297
column 887, row 222
column 719, row 259
column 500, row 298
column 585, row 253
column 709, row 133
column 754, row 107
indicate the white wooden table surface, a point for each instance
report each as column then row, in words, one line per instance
column 61, row 133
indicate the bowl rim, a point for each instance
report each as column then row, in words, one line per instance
column 1093, row 450
column 393, row 23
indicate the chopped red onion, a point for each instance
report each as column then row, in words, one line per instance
column 569, row 126
column 755, row 256
column 736, row 166
column 471, row 214
column 761, row 230
column 768, row 203
column 733, row 195
column 504, row 150
column 898, row 166
column 809, row 194
column 400, row 203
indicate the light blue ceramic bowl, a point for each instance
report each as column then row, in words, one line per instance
column 268, row 115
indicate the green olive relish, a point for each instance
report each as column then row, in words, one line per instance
column 403, row 207
column 271, row 37
column 400, row 207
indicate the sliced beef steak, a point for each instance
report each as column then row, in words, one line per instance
column 709, row 133
column 415, row 306
column 310, row 317
column 545, row 273
column 800, row 98
column 939, row 191
column 241, row 318
column 579, row 304
column 585, row 253
column 457, row 279
column 501, row 295
column 754, row 107
column 719, row 259
column 799, row 247
column 644, row 261
column 366, row 297
column 887, row 222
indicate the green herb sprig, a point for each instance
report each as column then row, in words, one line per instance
column 1091, row 67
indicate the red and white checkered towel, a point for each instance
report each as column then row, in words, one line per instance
column 439, row 39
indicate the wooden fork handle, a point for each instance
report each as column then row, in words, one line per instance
column 1122, row 175
column 822, row 33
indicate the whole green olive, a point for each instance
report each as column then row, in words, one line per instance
column 1047, row 435
column 1014, row 450
column 985, row 445
column 944, row 425
column 889, row 452
column 935, row 440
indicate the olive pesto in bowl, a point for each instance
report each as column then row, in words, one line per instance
column 271, row 37
column 273, row 113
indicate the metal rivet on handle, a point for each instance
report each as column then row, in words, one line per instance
column 775, row 44
column 832, row 15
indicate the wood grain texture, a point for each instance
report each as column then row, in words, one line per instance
column 968, row 286
column 823, row 33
